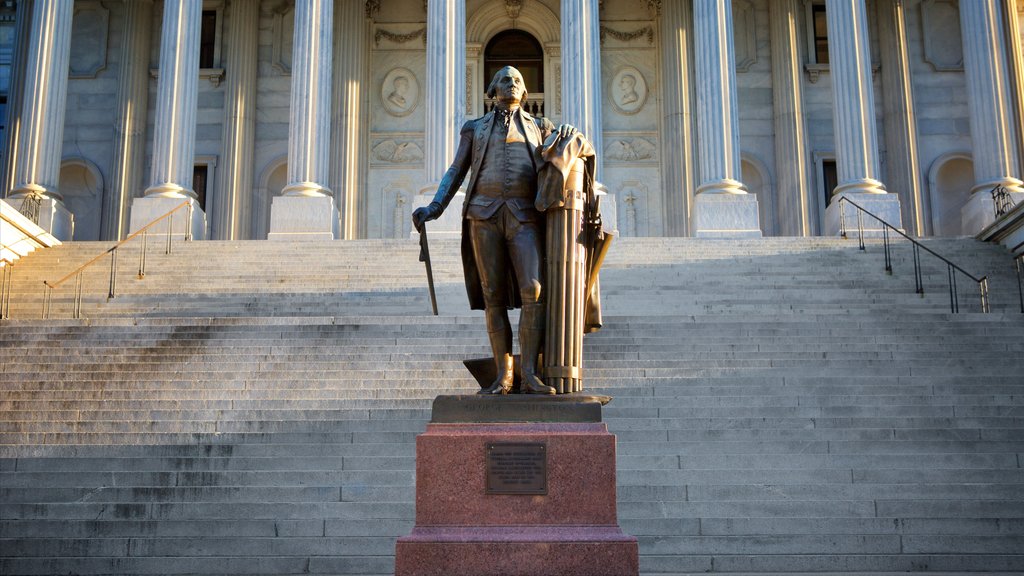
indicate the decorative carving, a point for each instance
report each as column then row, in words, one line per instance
column 372, row 8
column 399, row 38
column 628, row 90
column 940, row 27
column 395, row 152
column 646, row 31
column 630, row 149
column 654, row 6
column 400, row 92
column 469, row 90
column 558, row 89
column 512, row 8
column 744, row 34
column 284, row 34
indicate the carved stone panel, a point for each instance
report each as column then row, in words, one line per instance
column 88, row 40
column 284, row 34
column 940, row 25
column 400, row 92
column 628, row 90
column 744, row 34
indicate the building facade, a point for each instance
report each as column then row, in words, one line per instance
column 336, row 118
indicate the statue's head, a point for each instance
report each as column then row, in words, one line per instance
column 507, row 86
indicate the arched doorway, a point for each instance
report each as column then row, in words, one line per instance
column 521, row 50
column 950, row 181
column 81, row 184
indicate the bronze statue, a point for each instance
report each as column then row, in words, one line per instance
column 503, row 245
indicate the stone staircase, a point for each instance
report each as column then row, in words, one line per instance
column 781, row 406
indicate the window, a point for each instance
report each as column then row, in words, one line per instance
column 519, row 49
column 829, row 178
column 199, row 178
column 208, row 40
column 819, row 32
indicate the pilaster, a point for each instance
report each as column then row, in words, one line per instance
column 350, row 65
column 306, row 209
column 174, row 131
column 853, row 114
column 723, row 208
column 581, row 70
column 235, row 183
column 130, row 128
column 41, row 132
column 677, row 135
column 798, row 207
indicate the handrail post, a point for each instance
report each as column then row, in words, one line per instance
column 842, row 217
column 1019, row 261
column 983, row 286
column 5, row 291
column 860, row 228
column 113, row 274
column 142, row 257
column 47, row 294
column 78, row 297
column 188, row 223
column 918, row 275
column 170, row 226
column 885, row 244
column 954, row 300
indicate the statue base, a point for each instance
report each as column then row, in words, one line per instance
column 516, row 485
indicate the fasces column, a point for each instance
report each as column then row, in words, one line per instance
column 306, row 210
column 677, row 141
column 445, row 103
column 798, row 213
column 581, row 70
column 990, row 107
column 130, row 128
column 41, row 137
column 853, row 118
column 174, row 131
column 349, row 87
column 723, row 208
column 235, row 186
column 904, row 172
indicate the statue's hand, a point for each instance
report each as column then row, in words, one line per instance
column 426, row 214
column 567, row 131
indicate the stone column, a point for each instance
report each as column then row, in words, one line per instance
column 19, row 57
column 350, row 84
column 235, row 186
column 989, row 103
column 798, row 206
column 445, row 102
column 904, row 173
column 174, row 132
column 723, row 208
column 130, row 119
column 306, row 209
column 41, row 132
column 581, row 71
column 853, row 117
column 677, row 138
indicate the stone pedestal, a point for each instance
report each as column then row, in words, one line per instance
column 516, row 485
column 885, row 206
column 726, row 216
column 55, row 218
column 145, row 210
column 303, row 218
column 980, row 211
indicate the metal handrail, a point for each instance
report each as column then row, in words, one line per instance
column 112, row 289
column 30, row 206
column 1018, row 263
column 951, row 268
column 1002, row 201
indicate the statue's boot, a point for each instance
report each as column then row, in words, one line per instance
column 531, row 335
column 499, row 332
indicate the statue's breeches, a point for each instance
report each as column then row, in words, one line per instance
column 501, row 241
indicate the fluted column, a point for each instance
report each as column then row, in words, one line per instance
column 130, row 118
column 853, row 118
column 445, row 83
column 677, row 138
column 718, row 142
column 234, row 189
column 41, row 137
column 306, row 208
column 581, row 70
column 15, row 93
column 798, row 214
column 174, row 129
column 990, row 106
column 904, row 173
column 350, row 62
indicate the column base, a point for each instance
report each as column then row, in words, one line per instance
column 303, row 218
column 449, row 225
column 885, row 206
column 980, row 211
column 147, row 209
column 726, row 216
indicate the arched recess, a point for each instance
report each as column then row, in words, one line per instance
column 758, row 180
column 950, row 180
column 536, row 19
column 81, row 184
column 273, row 178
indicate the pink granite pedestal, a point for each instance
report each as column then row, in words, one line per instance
column 461, row 529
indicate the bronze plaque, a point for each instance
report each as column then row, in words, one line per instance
column 517, row 468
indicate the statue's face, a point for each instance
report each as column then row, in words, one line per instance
column 509, row 85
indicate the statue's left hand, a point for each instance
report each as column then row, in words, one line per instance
column 567, row 131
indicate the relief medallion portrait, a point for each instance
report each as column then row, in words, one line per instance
column 628, row 90
column 400, row 92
